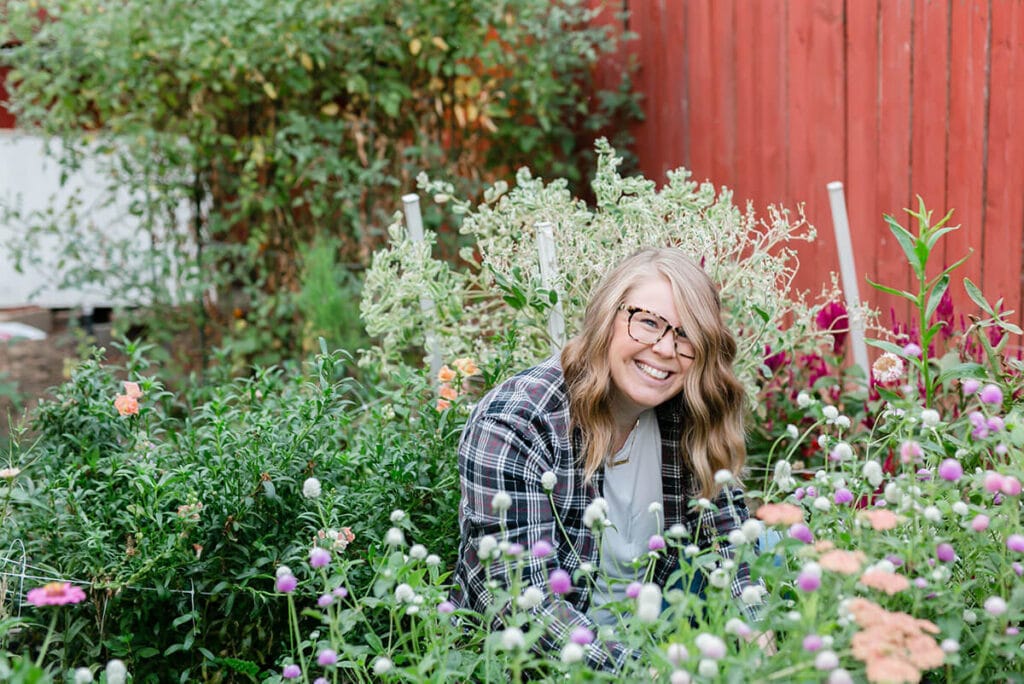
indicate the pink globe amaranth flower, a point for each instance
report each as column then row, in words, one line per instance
column 286, row 584
column 1001, row 449
column 1012, row 631
column 812, row 642
column 340, row 592
column 808, row 582
column 842, row 496
column 812, row 492
column 327, row 657
column 945, row 553
column 920, row 582
column 801, row 532
column 970, row 386
column 656, row 543
column 910, row 451
column 994, row 605
column 799, row 494
column 325, row 600
column 445, row 607
column 55, row 594
column 541, row 549
column 951, row 470
column 1015, row 542
column 291, row 672
column 515, row 550
column 980, row 523
column 1010, row 486
column 995, row 424
column 923, row 474
column 912, row 350
column 633, row 590
column 1017, row 568
column 993, row 482
column 319, row 557
column 321, row 680
column 560, row 581
column 991, row 394
column 582, row 636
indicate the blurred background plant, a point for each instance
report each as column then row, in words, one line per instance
column 252, row 138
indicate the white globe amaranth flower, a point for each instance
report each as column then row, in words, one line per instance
column 311, row 488
column 970, row 617
column 679, row 677
column 737, row 538
column 83, row 675
column 433, row 560
column 823, row 441
column 512, row 639
column 116, row 672
column 487, row 547
column 719, row 578
column 710, row 646
column 784, row 476
column 404, row 593
column 587, row 568
column 655, row 508
column 678, row 531
column 691, row 550
column 737, row 627
column 595, row 512
column 792, row 431
column 572, row 653
column 826, row 660
column 821, row 476
column 397, row 516
column 949, row 646
column 842, row 451
column 803, row 400
column 501, row 502
column 282, row 570
column 723, row 476
column 676, row 654
column 707, row 668
column 933, row 514
column 752, row 529
column 961, row 508
column 840, row 676
column 382, row 665
column 872, row 472
column 929, row 417
column 418, row 551
column 822, row 503
column 892, row 493
column 752, row 595
column 704, row 503
column 830, row 413
column 394, row 537
column 648, row 603
column 811, row 568
column 843, row 422
column 530, row 598
column 548, row 480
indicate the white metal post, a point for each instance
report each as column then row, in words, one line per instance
column 848, row 272
column 548, row 278
column 414, row 222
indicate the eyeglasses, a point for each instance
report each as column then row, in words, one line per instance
column 647, row 327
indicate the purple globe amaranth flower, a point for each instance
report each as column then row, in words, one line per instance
column 633, row 590
column 325, row 600
column 991, row 394
column 808, row 582
column 445, row 607
column 970, row 386
column 286, row 584
column 923, row 474
column 656, row 543
column 812, row 642
column 581, row 636
column 912, row 350
column 951, row 470
column 340, row 592
column 801, row 532
column 321, row 680
column 327, row 657
column 980, row 523
column 1017, row 568
column 812, row 492
column 319, row 557
column 515, row 550
column 560, row 581
column 541, row 549
column 980, row 424
column 799, row 494
column 832, row 318
column 945, row 553
column 995, row 424
column 1010, row 486
column 993, row 482
column 1015, row 542
column 842, row 496
column 291, row 672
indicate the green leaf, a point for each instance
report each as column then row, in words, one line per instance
column 977, row 297
column 908, row 243
column 892, row 291
column 963, row 370
column 936, row 296
column 888, row 346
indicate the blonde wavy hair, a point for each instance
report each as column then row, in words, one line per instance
column 712, row 400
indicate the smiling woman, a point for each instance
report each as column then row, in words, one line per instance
column 633, row 431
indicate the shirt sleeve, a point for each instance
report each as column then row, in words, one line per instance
column 509, row 454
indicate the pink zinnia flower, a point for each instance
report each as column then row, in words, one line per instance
column 55, row 594
column 560, row 581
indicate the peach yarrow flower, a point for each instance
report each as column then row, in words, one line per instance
column 780, row 514
column 880, row 519
column 842, row 562
column 889, row 582
column 895, row 647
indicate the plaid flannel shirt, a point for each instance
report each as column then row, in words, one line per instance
column 516, row 433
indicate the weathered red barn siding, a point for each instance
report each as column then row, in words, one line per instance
column 895, row 98
column 6, row 118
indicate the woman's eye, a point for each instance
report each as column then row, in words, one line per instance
column 650, row 323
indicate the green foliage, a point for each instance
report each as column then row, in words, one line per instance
column 241, row 132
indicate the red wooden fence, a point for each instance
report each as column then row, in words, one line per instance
column 895, row 98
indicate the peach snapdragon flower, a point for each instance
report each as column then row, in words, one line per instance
column 445, row 375
column 466, row 366
column 127, row 404
column 843, row 562
column 780, row 514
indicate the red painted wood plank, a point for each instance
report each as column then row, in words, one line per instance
column 1003, row 236
column 700, row 76
column 965, row 158
column 746, row 34
column 930, row 106
column 6, row 118
column 862, row 111
column 816, row 149
column 767, row 78
column 722, row 169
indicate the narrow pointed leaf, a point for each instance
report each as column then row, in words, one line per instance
column 977, row 297
column 936, row 296
column 892, row 290
column 907, row 243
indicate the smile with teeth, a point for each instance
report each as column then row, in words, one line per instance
column 652, row 371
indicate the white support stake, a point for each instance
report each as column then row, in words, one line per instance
column 414, row 222
column 548, row 278
column 848, row 272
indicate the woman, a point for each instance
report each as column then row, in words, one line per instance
column 640, row 411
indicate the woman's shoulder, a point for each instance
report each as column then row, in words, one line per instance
column 538, row 389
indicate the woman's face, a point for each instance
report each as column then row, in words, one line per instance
column 645, row 375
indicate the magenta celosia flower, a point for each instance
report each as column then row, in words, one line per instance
column 775, row 360
column 951, row 470
column 980, row 523
column 808, row 581
column 832, row 318
column 291, row 672
column 1015, row 542
column 319, row 557
column 286, row 583
column 325, row 600
column 812, row 642
column 445, row 607
column 327, row 657
column 55, row 594
column 801, row 532
column 945, row 553
column 582, row 636
column 541, row 549
column 656, row 542
column 991, row 394
column 560, row 581
column 944, row 313
column 842, row 496
column 633, row 590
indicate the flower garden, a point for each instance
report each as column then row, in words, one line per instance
column 262, row 486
